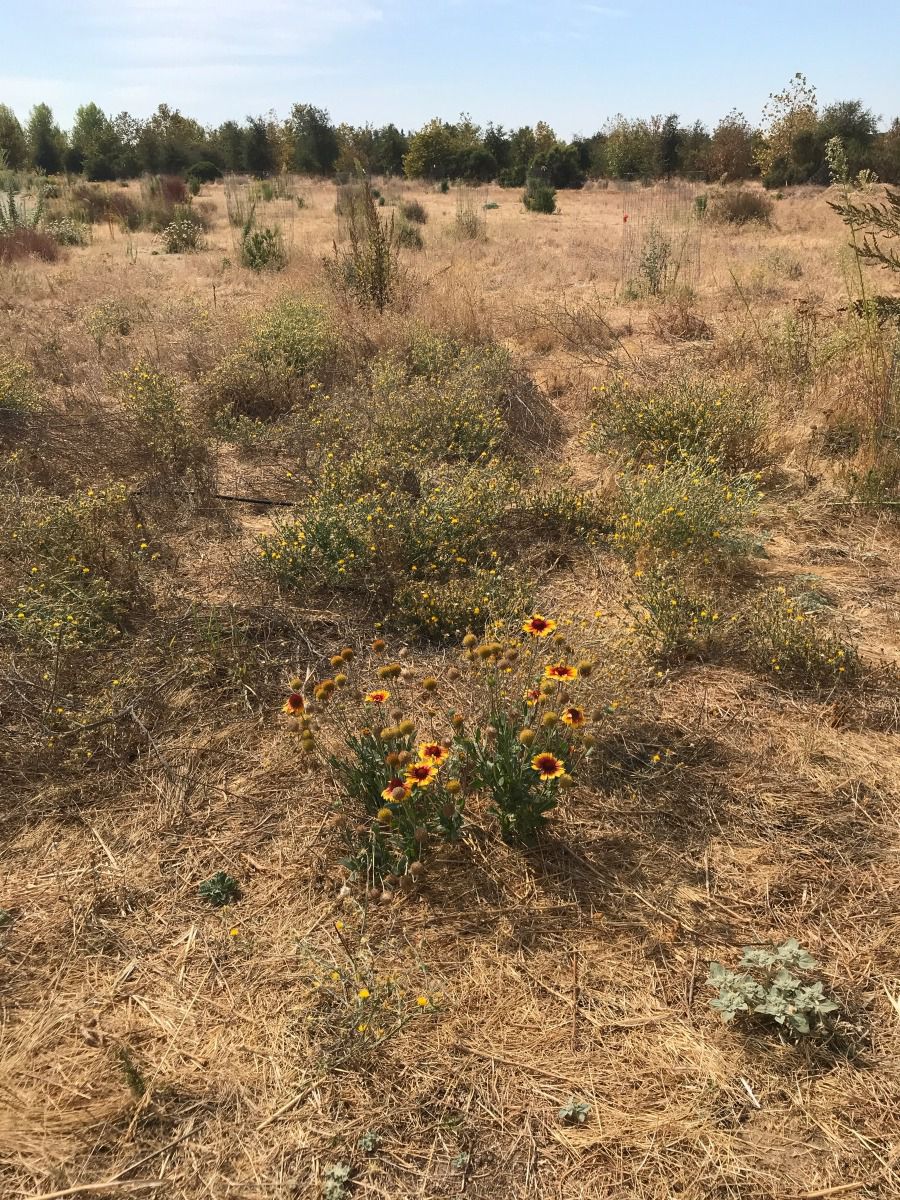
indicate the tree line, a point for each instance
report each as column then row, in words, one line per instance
column 788, row 147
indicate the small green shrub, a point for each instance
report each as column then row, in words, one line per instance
column 153, row 401
column 675, row 619
column 71, row 562
column 765, row 986
column 336, row 1181
column 290, row 351
column 539, row 197
column 741, row 206
column 654, row 260
column 263, row 250
column 574, row 1111
column 679, row 416
column 220, row 889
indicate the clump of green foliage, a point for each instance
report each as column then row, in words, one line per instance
column 574, row 1111
column 336, row 1181
column 153, row 400
column 66, row 232
column 220, row 889
column 263, row 250
column 680, row 416
column 765, row 985
column 289, row 353
column 72, row 562
column 539, row 196
column 676, row 618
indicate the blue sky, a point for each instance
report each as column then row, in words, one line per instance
column 568, row 62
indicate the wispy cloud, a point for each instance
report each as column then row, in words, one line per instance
column 603, row 10
column 163, row 33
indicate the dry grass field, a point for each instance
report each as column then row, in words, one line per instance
column 184, row 531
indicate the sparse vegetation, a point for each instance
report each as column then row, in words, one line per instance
column 414, row 670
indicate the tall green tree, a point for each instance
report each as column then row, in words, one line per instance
column 93, row 144
column 46, row 144
column 316, row 145
column 12, row 139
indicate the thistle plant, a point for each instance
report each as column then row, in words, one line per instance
column 220, row 889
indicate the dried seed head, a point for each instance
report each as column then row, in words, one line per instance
column 526, row 736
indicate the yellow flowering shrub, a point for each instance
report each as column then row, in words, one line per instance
column 684, row 507
column 679, row 416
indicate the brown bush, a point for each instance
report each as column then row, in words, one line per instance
column 740, row 206
column 27, row 243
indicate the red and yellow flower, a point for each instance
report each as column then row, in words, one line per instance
column 294, row 705
column 539, row 626
column 548, row 766
column 433, row 752
column 573, row 716
column 379, row 696
column 532, row 696
column 560, row 671
column 392, row 786
column 421, row 774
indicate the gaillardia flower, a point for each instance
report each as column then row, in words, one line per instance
column 539, row 626
column 379, row 696
column 574, row 716
column 433, row 752
column 548, row 766
column 421, row 774
column 294, row 705
column 560, row 671
column 393, row 786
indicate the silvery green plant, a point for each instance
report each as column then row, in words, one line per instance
column 765, row 985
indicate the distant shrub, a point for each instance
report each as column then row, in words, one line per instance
column 653, row 263
column 25, row 243
column 18, row 389
column 66, row 232
column 173, row 189
column 680, row 415
column 740, row 206
column 263, row 250
column 539, row 196
column 182, row 236
column 94, row 204
column 409, row 237
column 204, row 172
column 414, row 211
